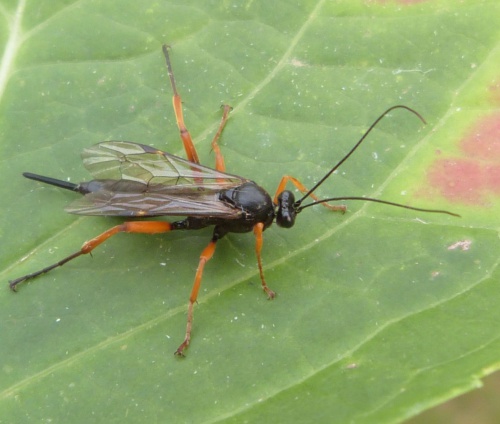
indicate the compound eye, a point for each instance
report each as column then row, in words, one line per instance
column 285, row 217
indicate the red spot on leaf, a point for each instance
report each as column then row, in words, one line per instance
column 475, row 176
column 483, row 142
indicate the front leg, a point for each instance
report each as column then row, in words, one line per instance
column 303, row 189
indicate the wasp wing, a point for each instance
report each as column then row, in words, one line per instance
column 124, row 160
column 137, row 180
column 144, row 201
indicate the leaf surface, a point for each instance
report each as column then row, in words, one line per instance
column 381, row 312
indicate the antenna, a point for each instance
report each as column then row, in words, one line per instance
column 372, row 126
column 371, row 199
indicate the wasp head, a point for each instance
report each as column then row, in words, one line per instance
column 286, row 213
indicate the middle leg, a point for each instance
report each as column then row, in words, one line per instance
column 259, row 241
column 205, row 256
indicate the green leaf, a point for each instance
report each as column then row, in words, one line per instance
column 381, row 312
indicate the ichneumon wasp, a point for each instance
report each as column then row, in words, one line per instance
column 133, row 180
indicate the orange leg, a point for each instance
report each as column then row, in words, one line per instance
column 219, row 159
column 148, row 227
column 303, row 189
column 257, row 230
column 191, row 153
column 205, row 256
column 177, row 102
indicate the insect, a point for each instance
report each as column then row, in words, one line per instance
column 134, row 180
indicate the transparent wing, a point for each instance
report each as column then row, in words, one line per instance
column 117, row 160
column 130, row 198
column 137, row 180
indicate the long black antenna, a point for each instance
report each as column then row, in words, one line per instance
column 370, row 199
column 299, row 202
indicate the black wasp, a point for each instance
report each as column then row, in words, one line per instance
column 134, row 180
